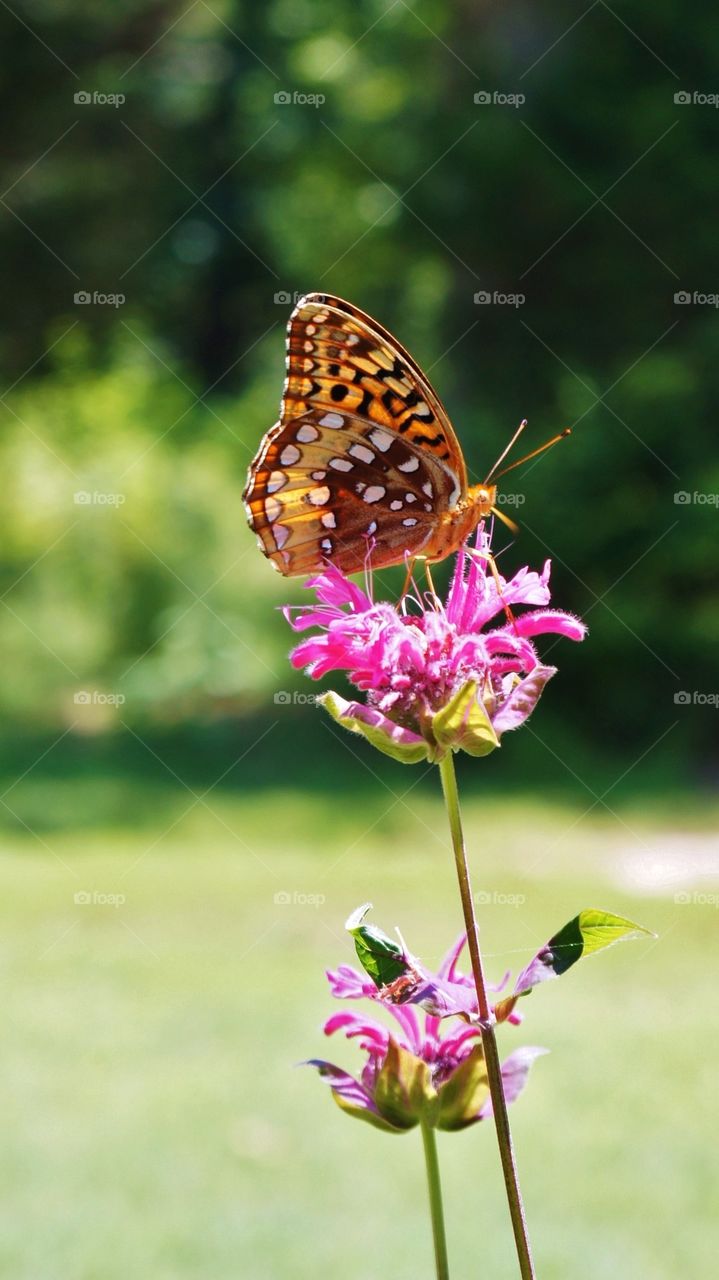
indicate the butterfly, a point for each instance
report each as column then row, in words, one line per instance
column 364, row 467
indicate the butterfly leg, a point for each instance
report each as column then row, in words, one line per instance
column 430, row 583
column 411, row 562
column 492, row 563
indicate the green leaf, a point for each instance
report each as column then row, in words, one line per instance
column 463, row 724
column 361, row 1113
column 380, row 956
column 464, row 1093
column 405, row 752
column 591, row 931
column 403, row 1090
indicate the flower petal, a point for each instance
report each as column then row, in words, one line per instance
column 522, row 700
column 515, row 1070
column 549, row 622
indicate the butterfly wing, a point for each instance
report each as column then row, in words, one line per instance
column 364, row 449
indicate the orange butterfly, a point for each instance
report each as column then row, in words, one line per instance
column 364, row 455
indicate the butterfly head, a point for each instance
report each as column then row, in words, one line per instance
column 483, row 498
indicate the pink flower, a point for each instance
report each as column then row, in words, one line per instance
column 437, row 679
column 425, row 1067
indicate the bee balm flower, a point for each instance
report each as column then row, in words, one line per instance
column 440, row 679
column 430, row 1067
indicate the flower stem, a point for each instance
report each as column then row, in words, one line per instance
column 489, row 1040
column 435, row 1200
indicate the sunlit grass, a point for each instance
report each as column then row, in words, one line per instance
column 155, row 1122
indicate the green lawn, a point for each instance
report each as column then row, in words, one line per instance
column 155, row 1125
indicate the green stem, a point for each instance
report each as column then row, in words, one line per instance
column 435, row 1200
column 489, row 1040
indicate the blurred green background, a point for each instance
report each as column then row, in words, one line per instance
column 175, row 175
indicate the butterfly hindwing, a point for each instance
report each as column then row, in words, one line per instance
column 331, row 494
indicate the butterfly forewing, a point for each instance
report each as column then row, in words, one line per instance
column 364, row 456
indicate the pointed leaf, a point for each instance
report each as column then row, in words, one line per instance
column 463, row 724
column 463, row 1095
column 379, row 731
column 351, row 1096
column 380, row 956
column 403, row 1091
column 591, row 931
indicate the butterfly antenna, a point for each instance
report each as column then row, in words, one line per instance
column 535, row 452
column 504, row 452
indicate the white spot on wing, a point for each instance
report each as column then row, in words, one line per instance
column 341, row 464
column 307, row 433
column 381, row 440
column 328, row 520
column 320, row 496
column 281, row 533
column 290, row 454
column 409, row 522
column 362, row 453
column 374, row 492
column 334, row 420
column 396, row 505
column 273, row 507
column 412, row 464
column 276, row 481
